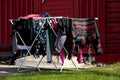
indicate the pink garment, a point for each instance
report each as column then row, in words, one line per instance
column 79, row 56
column 56, row 42
column 54, row 23
column 32, row 16
column 61, row 57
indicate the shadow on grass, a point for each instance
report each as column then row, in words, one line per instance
column 48, row 71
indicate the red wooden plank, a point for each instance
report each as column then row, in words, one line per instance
column 101, row 20
column 9, row 15
column 110, row 15
column 67, row 7
column 17, row 11
column 20, row 8
column 113, row 27
column 113, row 36
column 14, row 9
column 112, row 50
column 113, row 6
column 113, row 0
column 24, row 7
column 87, row 9
column 108, row 58
column 116, row 46
column 55, row 8
column 114, row 41
column 37, row 6
column 74, row 12
column 80, row 8
column 29, row 6
column 6, row 21
column 113, row 10
column 117, row 34
column 0, row 21
column 3, row 14
column 57, row 11
column 83, row 9
column 56, row 4
column 112, row 24
column 91, row 8
column 96, row 8
column 59, row 3
column 114, row 19
column 115, row 52
column 10, row 8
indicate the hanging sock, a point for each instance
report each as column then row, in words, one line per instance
column 61, row 57
column 79, row 56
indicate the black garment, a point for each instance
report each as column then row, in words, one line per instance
column 25, row 29
column 65, row 29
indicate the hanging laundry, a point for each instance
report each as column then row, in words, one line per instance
column 40, row 43
column 77, row 32
column 63, row 34
column 84, row 32
column 25, row 28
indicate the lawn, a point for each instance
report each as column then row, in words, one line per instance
column 109, row 72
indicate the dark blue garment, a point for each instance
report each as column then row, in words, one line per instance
column 40, row 43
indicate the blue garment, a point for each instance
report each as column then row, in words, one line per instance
column 40, row 44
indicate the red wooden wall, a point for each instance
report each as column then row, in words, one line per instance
column 107, row 11
column 12, row 9
column 58, row 7
column 80, row 9
column 113, row 26
column 112, row 32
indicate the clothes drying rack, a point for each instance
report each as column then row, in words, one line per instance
column 26, row 47
column 29, row 48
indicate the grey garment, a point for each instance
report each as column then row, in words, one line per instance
column 48, row 51
column 14, row 43
column 60, row 42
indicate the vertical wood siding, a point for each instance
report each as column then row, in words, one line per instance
column 80, row 9
column 107, row 11
column 58, row 7
column 0, row 23
column 12, row 9
column 72, row 8
column 112, row 32
column 91, row 9
column 16, row 8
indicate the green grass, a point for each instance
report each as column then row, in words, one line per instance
column 111, row 72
